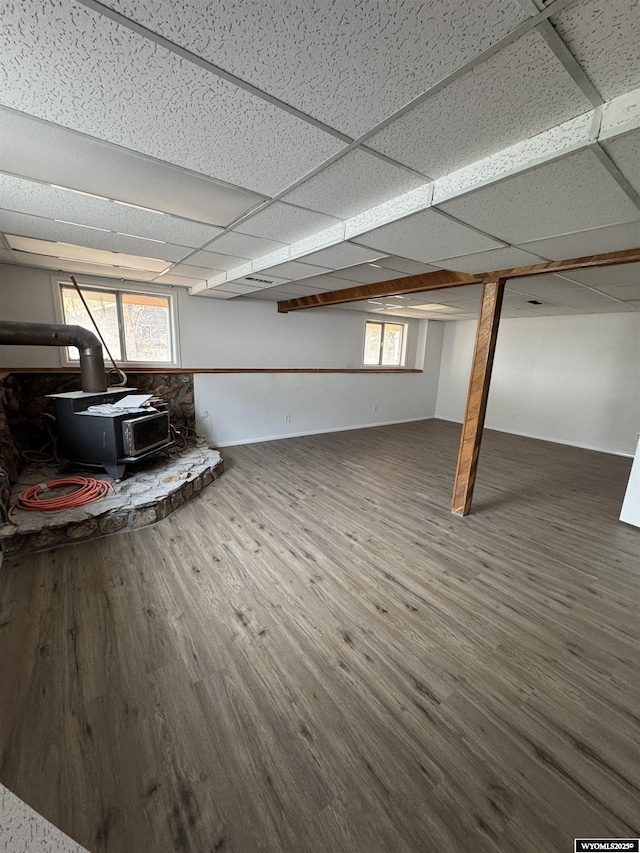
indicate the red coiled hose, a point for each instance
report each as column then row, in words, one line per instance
column 88, row 490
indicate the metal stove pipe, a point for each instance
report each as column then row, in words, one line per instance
column 92, row 370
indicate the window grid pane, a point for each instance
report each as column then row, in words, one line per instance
column 372, row 341
column 383, row 344
column 103, row 307
column 392, row 345
column 147, row 327
column 137, row 327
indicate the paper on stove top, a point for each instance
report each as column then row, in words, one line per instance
column 132, row 401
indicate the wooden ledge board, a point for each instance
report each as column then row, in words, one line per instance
column 170, row 370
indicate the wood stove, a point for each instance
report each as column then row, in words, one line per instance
column 112, row 439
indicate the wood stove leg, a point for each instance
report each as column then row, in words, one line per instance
column 486, row 335
column 115, row 471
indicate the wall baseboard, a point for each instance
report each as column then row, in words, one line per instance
column 546, row 438
column 319, row 432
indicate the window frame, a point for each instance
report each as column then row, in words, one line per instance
column 387, row 321
column 119, row 288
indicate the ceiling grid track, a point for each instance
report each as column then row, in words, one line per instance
column 615, row 173
column 562, row 52
column 525, row 27
column 534, row 20
column 193, row 58
column 585, row 110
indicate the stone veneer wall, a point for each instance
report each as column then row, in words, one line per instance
column 23, row 402
column 9, row 456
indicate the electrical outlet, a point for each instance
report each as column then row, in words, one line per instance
column 374, row 407
column 287, row 419
column 514, row 416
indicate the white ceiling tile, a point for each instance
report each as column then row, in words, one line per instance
column 519, row 92
column 324, row 282
column 294, row 269
column 468, row 291
column 350, row 306
column 242, row 271
column 404, row 315
column 571, row 194
column 352, row 184
column 521, row 284
column 443, row 312
column 259, row 280
column 295, row 289
column 270, row 295
column 404, row 265
column 235, row 287
column 67, row 266
column 330, row 236
column 285, row 223
column 607, row 276
column 213, row 293
column 46, row 152
column 626, row 292
column 178, row 280
column 625, row 152
column 367, row 274
column 614, row 238
column 558, row 290
column 244, row 246
column 496, row 259
column 348, row 64
column 427, row 237
column 302, row 285
column 551, row 144
column 47, row 229
column 346, row 283
column 343, row 255
column 514, row 299
column 410, row 202
column 23, row 196
column 124, row 88
column 547, row 309
column 264, row 261
column 191, row 271
column 213, row 260
column 447, row 295
column 466, row 303
column 605, row 39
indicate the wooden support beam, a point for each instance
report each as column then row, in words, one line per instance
column 396, row 286
column 486, row 336
column 446, row 278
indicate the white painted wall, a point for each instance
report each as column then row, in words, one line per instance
column 237, row 408
column 26, row 294
column 240, row 408
column 568, row 379
column 574, row 380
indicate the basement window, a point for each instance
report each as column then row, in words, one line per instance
column 384, row 344
column 137, row 327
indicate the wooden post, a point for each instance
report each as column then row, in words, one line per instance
column 486, row 335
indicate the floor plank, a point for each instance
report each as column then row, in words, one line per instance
column 316, row 655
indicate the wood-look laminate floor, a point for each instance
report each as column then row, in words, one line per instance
column 315, row 655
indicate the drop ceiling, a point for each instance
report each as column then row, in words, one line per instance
column 268, row 152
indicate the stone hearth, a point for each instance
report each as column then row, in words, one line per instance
column 150, row 494
column 24, row 402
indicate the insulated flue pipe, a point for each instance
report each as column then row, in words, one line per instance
column 92, row 370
